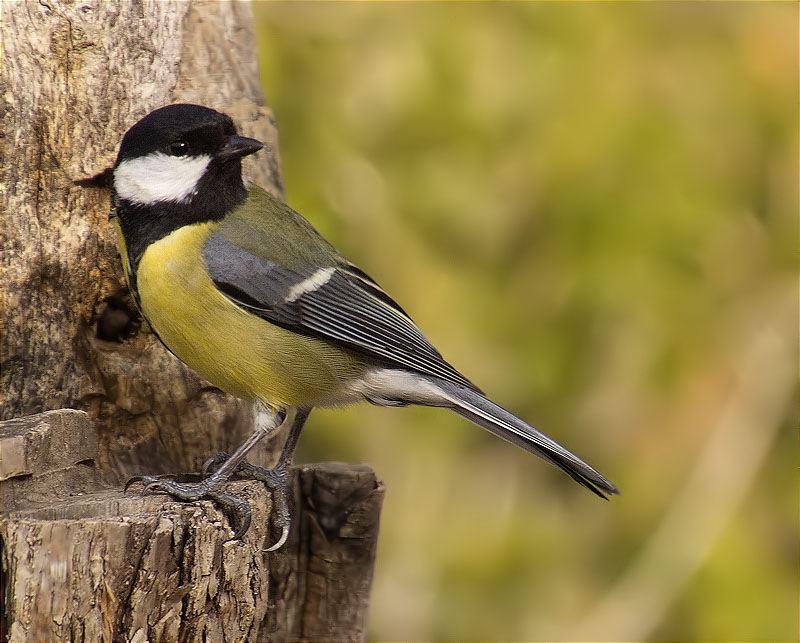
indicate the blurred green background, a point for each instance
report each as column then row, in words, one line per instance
column 592, row 211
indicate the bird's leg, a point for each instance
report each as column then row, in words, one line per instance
column 276, row 479
column 268, row 420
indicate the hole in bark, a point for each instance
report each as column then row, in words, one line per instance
column 118, row 321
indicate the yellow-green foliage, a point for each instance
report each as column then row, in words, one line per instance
column 591, row 209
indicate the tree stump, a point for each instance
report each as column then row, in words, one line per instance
column 82, row 565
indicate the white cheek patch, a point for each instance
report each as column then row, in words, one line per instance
column 159, row 177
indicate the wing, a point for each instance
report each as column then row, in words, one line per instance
column 338, row 303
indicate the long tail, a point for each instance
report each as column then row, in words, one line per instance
column 497, row 420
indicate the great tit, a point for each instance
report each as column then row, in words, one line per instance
column 247, row 293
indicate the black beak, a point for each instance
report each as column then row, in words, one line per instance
column 239, row 146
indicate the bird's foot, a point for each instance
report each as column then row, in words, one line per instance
column 237, row 509
column 276, row 480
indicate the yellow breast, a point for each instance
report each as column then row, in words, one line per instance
column 231, row 348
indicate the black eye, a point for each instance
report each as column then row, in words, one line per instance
column 179, row 148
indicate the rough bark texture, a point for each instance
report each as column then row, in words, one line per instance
column 81, row 560
column 84, row 565
column 76, row 76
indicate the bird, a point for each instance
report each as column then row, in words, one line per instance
column 246, row 292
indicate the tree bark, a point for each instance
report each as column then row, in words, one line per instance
column 77, row 76
column 82, row 560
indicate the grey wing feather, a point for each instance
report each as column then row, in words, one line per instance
column 345, row 307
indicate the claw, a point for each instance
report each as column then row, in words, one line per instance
column 148, row 481
column 284, row 537
column 132, row 481
column 239, row 509
column 242, row 528
column 216, row 459
column 277, row 481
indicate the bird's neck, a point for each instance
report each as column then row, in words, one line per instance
column 143, row 224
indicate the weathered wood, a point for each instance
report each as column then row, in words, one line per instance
column 47, row 456
column 119, row 566
column 320, row 581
